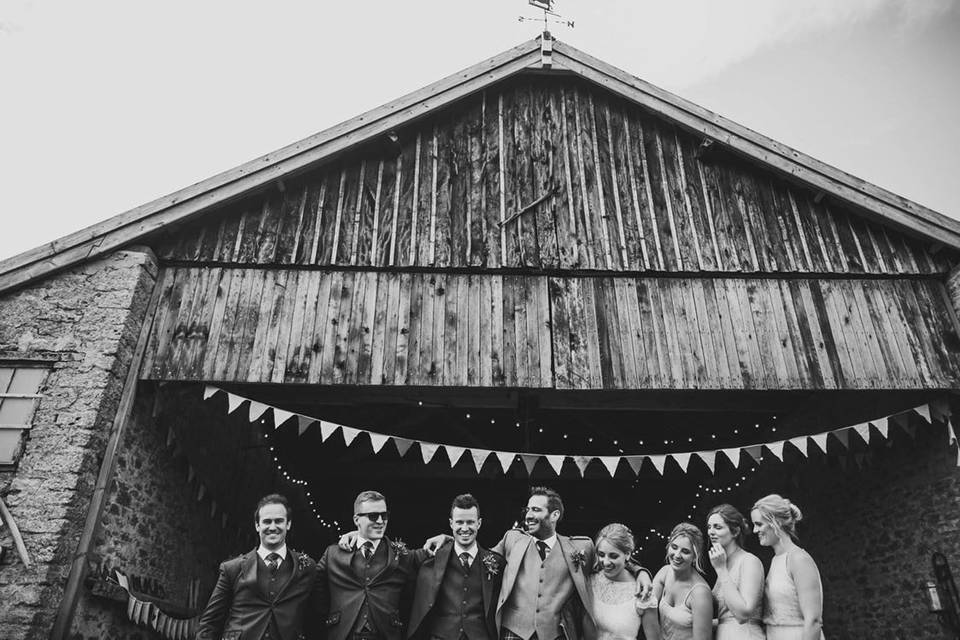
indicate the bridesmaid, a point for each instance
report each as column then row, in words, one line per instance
column 686, row 607
column 793, row 594
column 739, row 587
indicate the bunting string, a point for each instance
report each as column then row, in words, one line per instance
column 928, row 413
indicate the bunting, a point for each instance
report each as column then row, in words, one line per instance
column 935, row 411
column 145, row 613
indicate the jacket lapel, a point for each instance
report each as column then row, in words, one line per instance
column 248, row 571
column 576, row 573
column 485, row 579
column 440, row 561
column 392, row 559
column 514, row 558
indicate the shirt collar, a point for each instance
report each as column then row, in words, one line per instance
column 263, row 552
column 551, row 541
column 361, row 540
column 472, row 550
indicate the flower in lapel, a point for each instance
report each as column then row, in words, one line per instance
column 492, row 564
column 399, row 547
column 579, row 559
column 303, row 560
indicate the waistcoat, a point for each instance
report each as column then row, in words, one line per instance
column 538, row 596
column 459, row 606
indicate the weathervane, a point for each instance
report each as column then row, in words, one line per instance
column 547, row 6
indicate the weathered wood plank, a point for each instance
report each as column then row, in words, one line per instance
column 560, row 331
column 319, row 327
column 472, row 370
column 406, row 324
column 498, row 331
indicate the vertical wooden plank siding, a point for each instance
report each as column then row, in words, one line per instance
column 578, row 332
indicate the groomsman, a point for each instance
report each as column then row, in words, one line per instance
column 544, row 594
column 364, row 589
column 263, row 594
column 457, row 589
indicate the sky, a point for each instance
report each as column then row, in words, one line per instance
column 107, row 104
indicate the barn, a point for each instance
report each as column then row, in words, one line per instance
column 539, row 270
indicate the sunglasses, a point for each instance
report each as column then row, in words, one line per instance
column 376, row 516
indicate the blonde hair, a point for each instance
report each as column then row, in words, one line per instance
column 779, row 513
column 692, row 533
column 619, row 535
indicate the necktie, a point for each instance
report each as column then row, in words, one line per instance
column 367, row 549
column 543, row 549
column 465, row 561
column 273, row 561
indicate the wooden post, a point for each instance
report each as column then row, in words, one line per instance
column 78, row 569
column 953, row 288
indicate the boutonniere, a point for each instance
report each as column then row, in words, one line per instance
column 399, row 547
column 303, row 560
column 493, row 567
column 579, row 559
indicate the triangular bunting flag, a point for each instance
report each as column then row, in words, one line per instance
column 682, row 459
column 940, row 410
column 820, row 439
column 611, row 463
column 882, row 425
column 863, row 430
column 257, row 409
column 843, row 462
column 658, row 462
column 170, row 436
column 209, row 391
column 454, row 454
column 635, row 463
column 776, row 448
column 479, row 456
column 427, row 450
column 280, row 416
column 403, row 445
column 304, row 422
column 556, row 462
column 800, row 444
column 755, row 452
column 951, row 433
column 349, row 434
column 582, row 462
column 709, row 458
column 506, row 459
column 326, row 428
column 233, row 402
column 529, row 460
column 213, row 508
column 907, row 425
column 733, row 455
column 843, row 435
column 377, row 440
column 191, row 473
column 923, row 411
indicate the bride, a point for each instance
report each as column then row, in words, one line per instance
column 617, row 612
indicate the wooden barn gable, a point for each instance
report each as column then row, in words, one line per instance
column 561, row 227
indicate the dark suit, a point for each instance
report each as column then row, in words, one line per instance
column 450, row 603
column 369, row 596
column 250, row 602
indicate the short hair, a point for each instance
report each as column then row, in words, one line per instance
column 619, row 535
column 554, row 502
column 693, row 533
column 465, row 501
column 779, row 513
column 273, row 498
column 367, row 496
column 735, row 520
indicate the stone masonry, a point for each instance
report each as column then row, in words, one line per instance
column 86, row 321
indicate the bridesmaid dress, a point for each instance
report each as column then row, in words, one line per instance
column 676, row 621
column 782, row 617
column 728, row 627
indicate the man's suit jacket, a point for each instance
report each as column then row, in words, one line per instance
column 430, row 578
column 238, row 610
column 579, row 555
column 341, row 592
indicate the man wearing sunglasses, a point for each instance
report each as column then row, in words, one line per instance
column 364, row 589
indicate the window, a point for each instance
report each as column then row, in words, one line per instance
column 18, row 401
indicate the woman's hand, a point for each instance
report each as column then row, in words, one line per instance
column 718, row 558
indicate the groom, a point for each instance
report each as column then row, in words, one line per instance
column 544, row 595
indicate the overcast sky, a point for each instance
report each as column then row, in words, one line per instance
column 106, row 104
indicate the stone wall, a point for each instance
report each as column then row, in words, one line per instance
column 183, row 464
column 872, row 532
column 86, row 322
